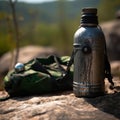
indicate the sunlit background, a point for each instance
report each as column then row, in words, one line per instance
column 48, row 22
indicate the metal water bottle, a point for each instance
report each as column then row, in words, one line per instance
column 89, row 48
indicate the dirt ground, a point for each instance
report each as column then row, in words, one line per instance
column 63, row 106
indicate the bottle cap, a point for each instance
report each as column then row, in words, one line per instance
column 89, row 10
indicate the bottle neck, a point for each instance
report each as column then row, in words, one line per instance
column 89, row 19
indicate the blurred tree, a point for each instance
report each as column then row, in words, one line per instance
column 16, row 28
column 63, row 24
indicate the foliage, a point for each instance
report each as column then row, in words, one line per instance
column 107, row 9
column 6, row 35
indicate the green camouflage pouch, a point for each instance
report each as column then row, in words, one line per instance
column 41, row 75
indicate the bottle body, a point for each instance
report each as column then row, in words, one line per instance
column 89, row 45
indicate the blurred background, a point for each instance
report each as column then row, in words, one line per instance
column 42, row 27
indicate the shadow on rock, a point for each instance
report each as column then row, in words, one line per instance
column 109, row 103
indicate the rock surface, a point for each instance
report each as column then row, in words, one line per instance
column 115, row 68
column 63, row 106
column 112, row 34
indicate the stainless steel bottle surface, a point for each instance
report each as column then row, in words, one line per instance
column 89, row 45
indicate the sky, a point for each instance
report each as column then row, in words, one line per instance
column 36, row 1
